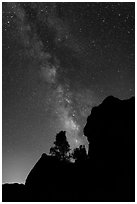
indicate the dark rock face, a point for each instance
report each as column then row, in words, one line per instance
column 111, row 126
column 48, row 179
column 111, row 133
column 13, row 192
column 54, row 180
column 109, row 172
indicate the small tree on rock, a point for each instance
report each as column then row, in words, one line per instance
column 61, row 147
column 79, row 154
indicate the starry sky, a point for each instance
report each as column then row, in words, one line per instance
column 58, row 61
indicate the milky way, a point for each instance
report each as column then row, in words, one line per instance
column 49, row 71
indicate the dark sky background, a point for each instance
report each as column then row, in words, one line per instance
column 59, row 60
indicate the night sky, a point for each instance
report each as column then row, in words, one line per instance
column 58, row 61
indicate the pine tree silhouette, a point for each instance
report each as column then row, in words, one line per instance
column 61, row 147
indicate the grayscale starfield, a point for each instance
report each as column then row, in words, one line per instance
column 68, row 93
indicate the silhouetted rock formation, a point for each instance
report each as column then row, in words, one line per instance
column 111, row 133
column 13, row 192
column 109, row 172
column 50, row 179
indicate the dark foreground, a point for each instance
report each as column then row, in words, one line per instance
column 108, row 174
